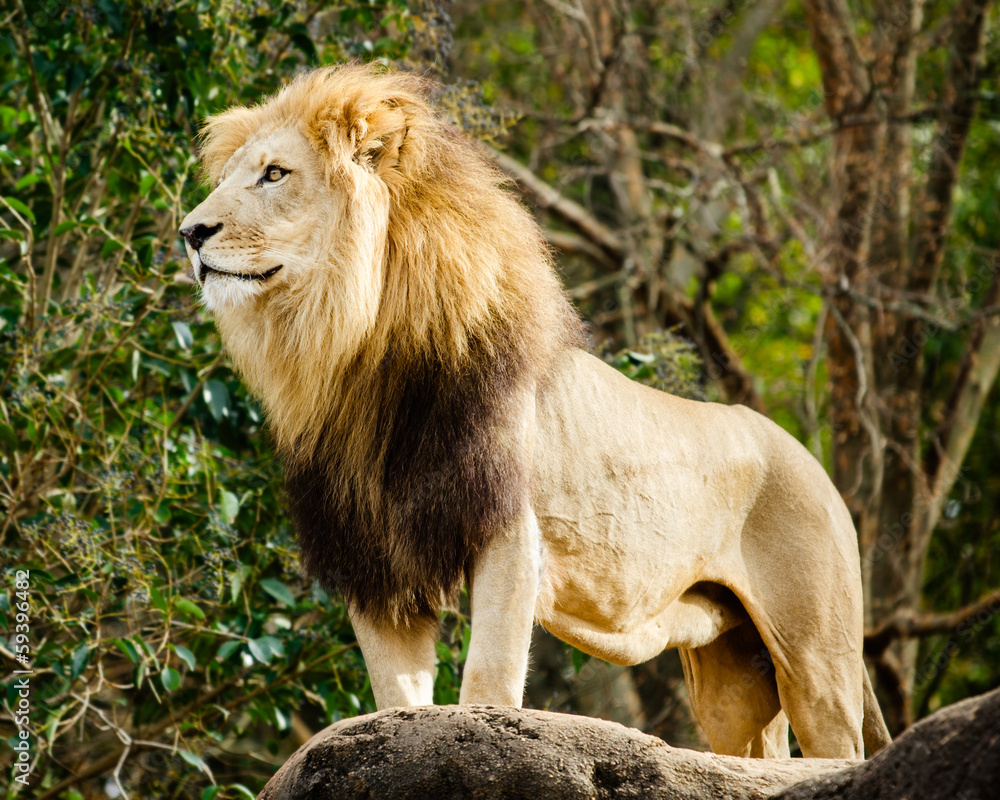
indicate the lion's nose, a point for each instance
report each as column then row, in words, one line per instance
column 197, row 235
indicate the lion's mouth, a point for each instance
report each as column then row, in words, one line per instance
column 206, row 269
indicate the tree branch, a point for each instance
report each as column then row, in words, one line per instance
column 959, row 109
column 973, row 383
column 845, row 82
column 907, row 624
column 544, row 196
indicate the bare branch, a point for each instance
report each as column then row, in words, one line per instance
column 965, row 48
column 907, row 624
column 975, row 379
column 552, row 200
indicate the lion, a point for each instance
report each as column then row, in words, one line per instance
column 395, row 307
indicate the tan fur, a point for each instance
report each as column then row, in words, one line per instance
column 414, row 354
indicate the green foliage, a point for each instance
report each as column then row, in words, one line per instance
column 165, row 607
column 664, row 361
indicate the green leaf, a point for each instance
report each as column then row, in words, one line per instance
column 65, row 225
column 242, row 791
column 156, row 598
column 443, row 651
column 210, row 792
column 20, row 208
column 7, row 436
column 183, row 332
column 171, row 679
column 185, row 655
column 229, row 505
column 189, row 609
column 128, row 649
column 28, row 180
column 194, row 760
column 227, row 649
column 217, row 397
column 110, row 246
column 579, row 659
column 235, row 586
column 278, row 591
column 146, row 184
column 261, row 649
column 78, row 662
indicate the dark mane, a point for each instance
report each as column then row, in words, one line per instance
column 447, row 476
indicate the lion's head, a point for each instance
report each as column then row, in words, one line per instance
column 385, row 296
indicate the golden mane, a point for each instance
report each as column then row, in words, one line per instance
column 388, row 402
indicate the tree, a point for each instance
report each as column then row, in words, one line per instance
column 787, row 189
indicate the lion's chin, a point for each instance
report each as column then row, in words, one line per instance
column 221, row 293
column 224, row 290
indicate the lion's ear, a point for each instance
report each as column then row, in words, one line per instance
column 378, row 137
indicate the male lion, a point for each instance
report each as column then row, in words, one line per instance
column 396, row 310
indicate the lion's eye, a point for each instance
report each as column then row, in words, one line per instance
column 274, row 173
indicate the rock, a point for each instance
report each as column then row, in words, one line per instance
column 470, row 752
column 952, row 755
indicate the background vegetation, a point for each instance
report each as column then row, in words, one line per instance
column 804, row 191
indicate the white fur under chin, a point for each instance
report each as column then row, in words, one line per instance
column 219, row 293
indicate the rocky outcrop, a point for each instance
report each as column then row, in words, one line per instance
column 471, row 752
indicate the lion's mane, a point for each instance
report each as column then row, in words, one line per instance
column 393, row 414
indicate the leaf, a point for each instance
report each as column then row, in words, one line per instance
column 195, row 761
column 443, row 651
column 185, row 655
column 78, row 662
column 260, row 649
column 156, row 598
column 579, row 659
column 278, row 591
column 227, row 649
column 65, row 225
column 171, row 679
column 229, row 506
column 7, row 436
column 235, row 586
column 277, row 648
column 644, row 358
column 183, row 331
column 242, row 791
column 20, row 208
column 128, row 649
column 146, row 184
column 217, row 397
column 189, row 609
column 210, row 792
column 28, row 180
column 110, row 246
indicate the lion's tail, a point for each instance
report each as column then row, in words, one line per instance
column 873, row 728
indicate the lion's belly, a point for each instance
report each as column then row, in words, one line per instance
column 639, row 496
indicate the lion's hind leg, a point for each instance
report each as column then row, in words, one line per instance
column 734, row 695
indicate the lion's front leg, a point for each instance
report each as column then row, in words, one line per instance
column 504, row 587
column 400, row 660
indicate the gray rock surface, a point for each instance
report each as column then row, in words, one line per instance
column 470, row 752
